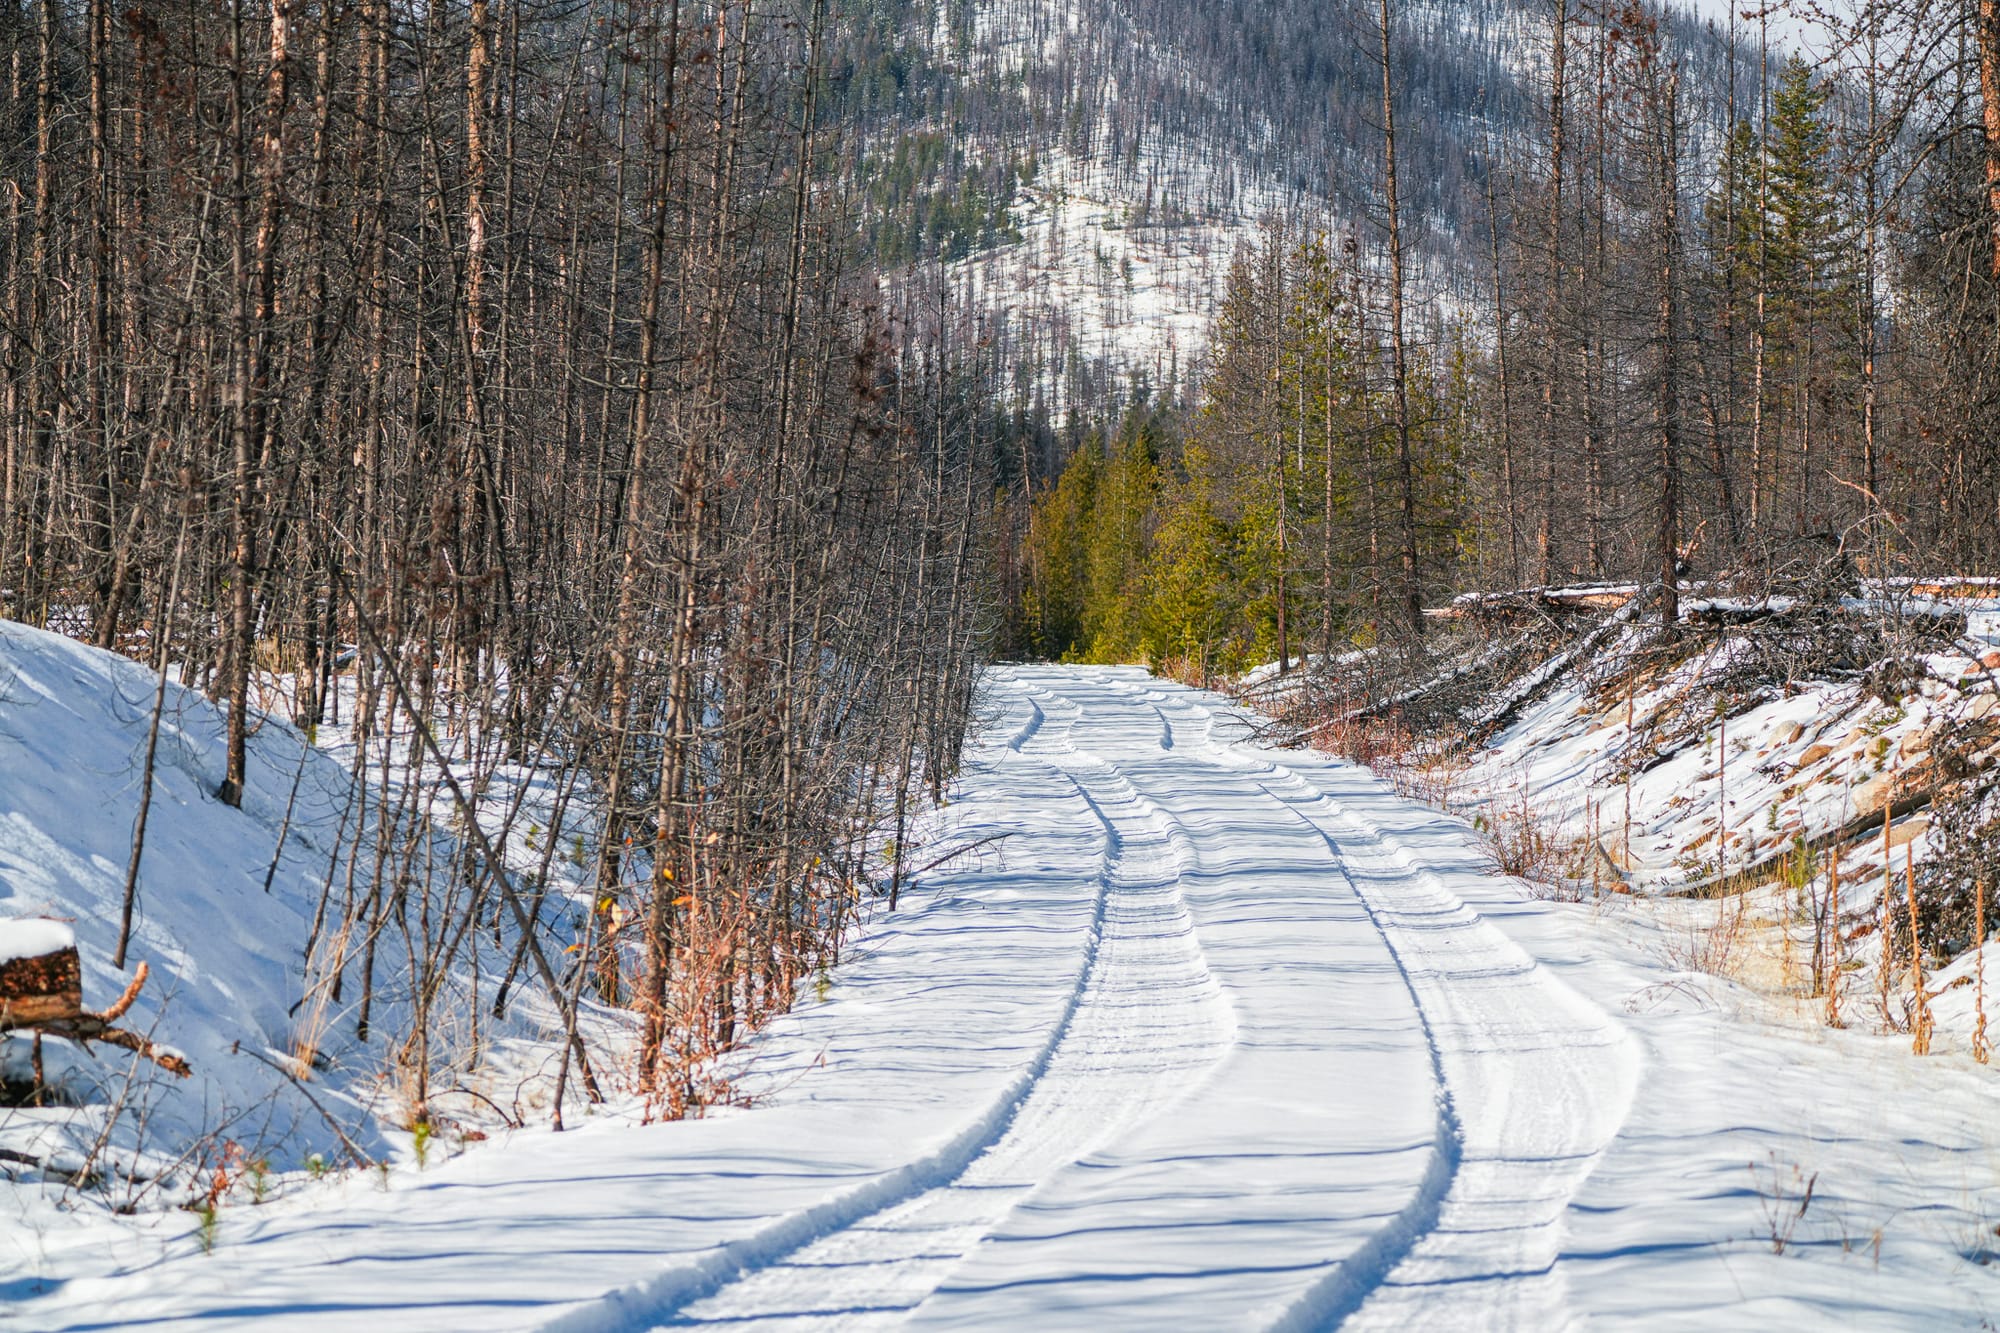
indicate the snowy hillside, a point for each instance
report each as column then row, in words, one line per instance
column 1814, row 801
column 1150, row 138
column 281, row 1078
column 1793, row 796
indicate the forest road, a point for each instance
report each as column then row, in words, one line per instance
column 1298, row 1083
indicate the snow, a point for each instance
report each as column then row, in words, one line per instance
column 1674, row 795
column 1213, row 1035
column 1983, row 626
column 32, row 937
column 225, row 900
column 1788, row 27
column 1123, row 255
column 220, row 950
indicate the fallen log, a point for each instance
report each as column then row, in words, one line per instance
column 1768, row 867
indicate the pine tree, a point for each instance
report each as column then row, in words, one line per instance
column 1810, row 331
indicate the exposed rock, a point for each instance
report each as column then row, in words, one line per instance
column 1871, row 796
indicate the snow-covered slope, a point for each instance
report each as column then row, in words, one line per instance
column 1156, row 137
column 1689, row 778
column 227, row 900
column 219, row 915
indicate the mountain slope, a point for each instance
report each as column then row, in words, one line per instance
column 1094, row 163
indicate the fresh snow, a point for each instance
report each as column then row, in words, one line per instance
column 221, row 951
column 32, row 937
column 1194, row 1033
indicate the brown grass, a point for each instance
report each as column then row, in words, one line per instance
column 1714, row 948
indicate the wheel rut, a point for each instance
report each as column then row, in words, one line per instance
column 1534, row 1082
column 1148, row 1023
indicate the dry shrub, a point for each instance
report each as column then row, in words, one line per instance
column 314, row 1012
column 1964, row 852
column 710, row 997
column 1713, row 948
column 1193, row 672
column 1381, row 743
column 1784, row 1192
column 1423, row 768
column 1522, row 844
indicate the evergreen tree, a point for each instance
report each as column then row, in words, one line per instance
column 1114, row 605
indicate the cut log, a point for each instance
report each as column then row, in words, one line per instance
column 41, row 990
column 41, row 980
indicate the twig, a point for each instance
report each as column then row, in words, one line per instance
column 124, row 1002
column 506, row 1119
column 958, row 851
column 360, row 1158
column 285, row 825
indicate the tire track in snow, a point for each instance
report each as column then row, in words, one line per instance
column 1150, row 1023
column 1340, row 1293
column 1474, row 1240
column 1145, row 1023
column 1027, row 730
column 657, row 1300
column 1355, row 1275
column 1535, row 1083
column 1038, row 736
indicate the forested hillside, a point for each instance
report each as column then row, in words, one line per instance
column 1092, row 165
column 1762, row 359
column 494, row 383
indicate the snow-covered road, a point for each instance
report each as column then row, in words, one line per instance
column 1286, row 1026
column 1212, row 1036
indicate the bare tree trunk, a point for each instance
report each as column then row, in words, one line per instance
column 1758, row 494
column 162, row 655
column 1406, row 479
column 1552, row 358
column 103, row 488
column 1507, row 481
column 1331, row 335
column 1722, row 422
column 1668, row 408
column 1989, row 101
column 242, row 395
